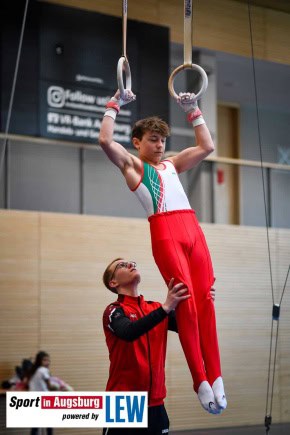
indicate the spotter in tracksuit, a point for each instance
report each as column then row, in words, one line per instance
column 136, row 336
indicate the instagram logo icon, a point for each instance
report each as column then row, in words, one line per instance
column 55, row 96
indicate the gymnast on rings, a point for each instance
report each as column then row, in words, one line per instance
column 178, row 244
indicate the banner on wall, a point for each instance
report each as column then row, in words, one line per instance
column 68, row 70
column 76, row 409
column 72, row 112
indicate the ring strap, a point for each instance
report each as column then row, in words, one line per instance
column 123, row 63
column 187, row 55
column 187, row 47
column 124, row 17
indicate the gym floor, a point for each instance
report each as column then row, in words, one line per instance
column 275, row 429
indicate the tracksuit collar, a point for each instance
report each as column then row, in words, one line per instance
column 131, row 299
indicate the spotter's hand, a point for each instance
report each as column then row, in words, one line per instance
column 176, row 293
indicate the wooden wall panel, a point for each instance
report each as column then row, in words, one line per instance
column 284, row 329
column 19, row 279
column 57, row 260
column 277, row 27
column 218, row 24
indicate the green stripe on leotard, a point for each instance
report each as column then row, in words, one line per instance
column 154, row 185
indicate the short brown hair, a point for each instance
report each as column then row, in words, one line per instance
column 107, row 275
column 150, row 124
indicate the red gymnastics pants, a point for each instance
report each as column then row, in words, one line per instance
column 180, row 252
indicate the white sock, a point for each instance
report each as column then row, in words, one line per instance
column 219, row 393
column 207, row 399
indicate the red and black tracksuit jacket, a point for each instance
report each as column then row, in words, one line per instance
column 136, row 336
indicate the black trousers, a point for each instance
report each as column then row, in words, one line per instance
column 158, row 424
column 35, row 431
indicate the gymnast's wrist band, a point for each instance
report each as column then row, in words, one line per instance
column 112, row 109
column 111, row 113
column 195, row 117
column 113, row 105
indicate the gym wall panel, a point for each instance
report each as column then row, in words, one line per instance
column 2, row 182
column 24, row 116
column 99, row 175
column 44, row 177
column 52, row 267
column 19, row 289
column 218, row 24
column 280, row 183
column 274, row 149
column 277, row 29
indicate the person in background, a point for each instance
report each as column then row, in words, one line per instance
column 40, row 380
